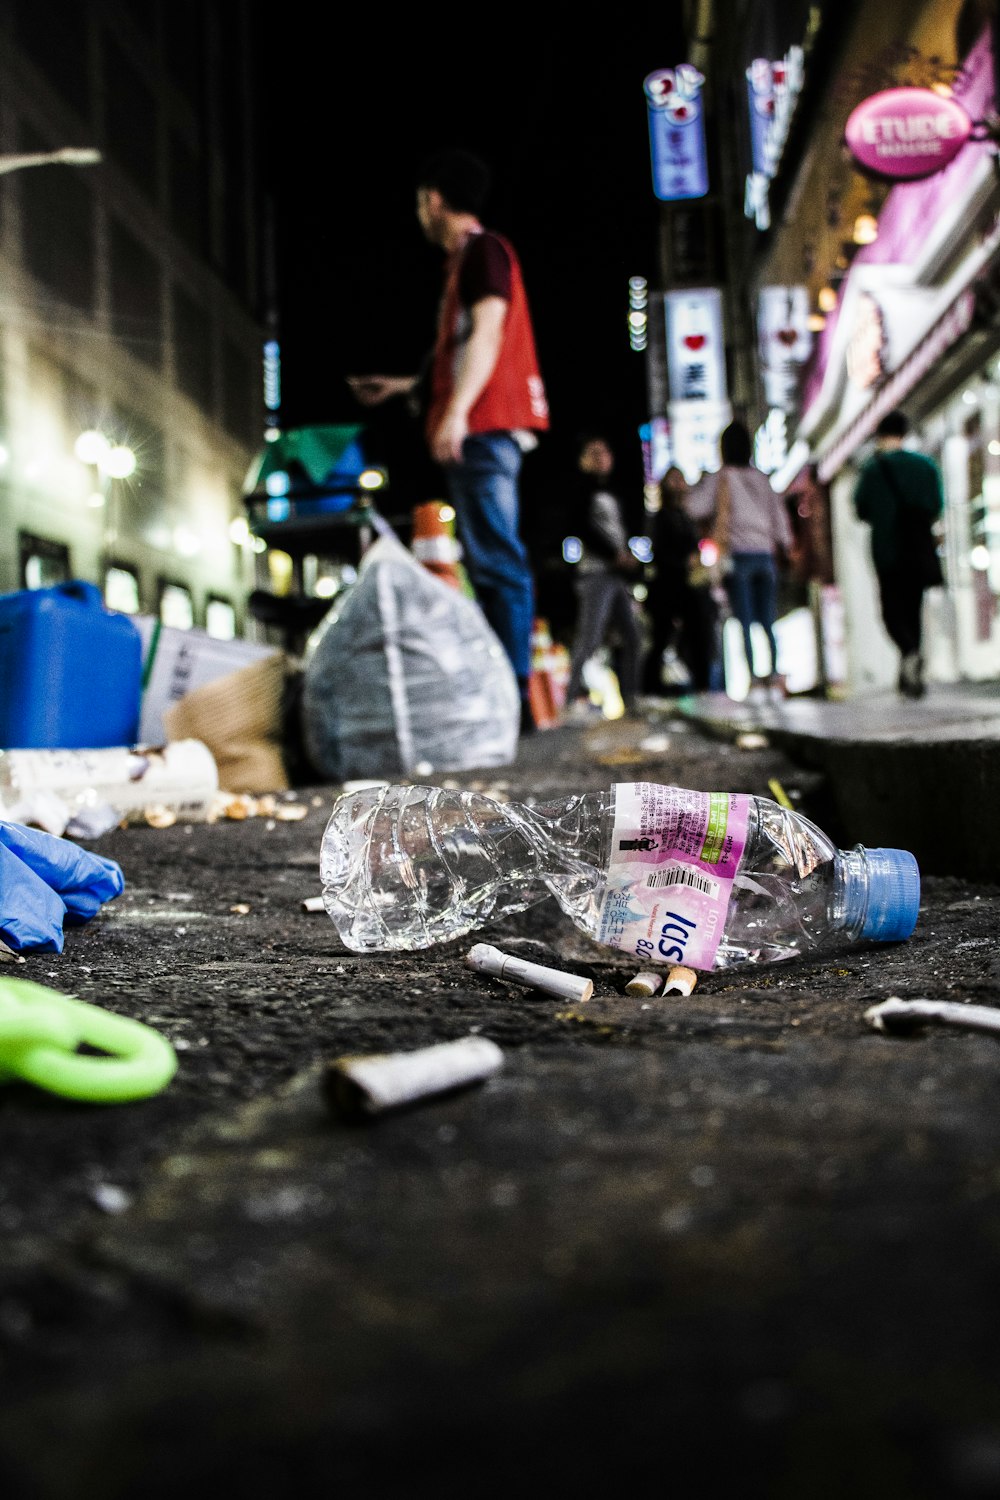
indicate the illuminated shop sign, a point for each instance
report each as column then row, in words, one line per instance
column 770, row 446
column 272, row 375
column 784, row 342
column 773, row 89
column 696, row 363
column 677, row 133
column 905, row 134
column 696, row 368
column 867, row 358
column 655, row 438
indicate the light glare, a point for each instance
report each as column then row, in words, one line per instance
column 91, row 447
column 119, row 462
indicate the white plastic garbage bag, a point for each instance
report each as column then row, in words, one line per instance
column 406, row 676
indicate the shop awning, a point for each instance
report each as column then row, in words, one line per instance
column 946, row 331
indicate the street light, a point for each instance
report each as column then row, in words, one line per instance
column 119, row 462
column 92, row 447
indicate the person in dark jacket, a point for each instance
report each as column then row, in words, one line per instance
column 681, row 606
column 899, row 494
column 604, row 597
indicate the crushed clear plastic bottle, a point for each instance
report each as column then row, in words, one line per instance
column 405, row 867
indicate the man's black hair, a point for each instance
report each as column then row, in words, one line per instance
column 462, row 179
column 895, row 424
column 737, row 449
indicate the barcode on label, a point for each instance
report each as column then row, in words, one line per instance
column 682, row 875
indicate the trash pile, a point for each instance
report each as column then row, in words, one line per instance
column 406, row 676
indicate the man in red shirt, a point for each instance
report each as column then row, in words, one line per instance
column 483, row 395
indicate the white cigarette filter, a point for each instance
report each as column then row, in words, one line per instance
column 680, row 981
column 645, row 984
column 385, row 1081
column 486, row 959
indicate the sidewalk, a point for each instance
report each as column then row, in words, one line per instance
column 923, row 776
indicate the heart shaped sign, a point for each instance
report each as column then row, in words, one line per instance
column 695, row 341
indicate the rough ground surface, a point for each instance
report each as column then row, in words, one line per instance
column 731, row 1237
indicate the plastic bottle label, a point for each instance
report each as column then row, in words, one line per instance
column 674, row 856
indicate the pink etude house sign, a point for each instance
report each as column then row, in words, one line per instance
column 907, row 133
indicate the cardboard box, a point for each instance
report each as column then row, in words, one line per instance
column 175, row 662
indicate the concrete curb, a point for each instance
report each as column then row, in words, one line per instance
column 936, row 793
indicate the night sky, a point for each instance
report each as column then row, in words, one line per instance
column 559, row 116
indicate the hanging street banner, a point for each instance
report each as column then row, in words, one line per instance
column 784, row 341
column 905, row 134
column 696, row 357
column 677, row 133
column 773, row 89
column 696, row 368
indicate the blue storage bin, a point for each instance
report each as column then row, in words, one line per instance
column 70, row 671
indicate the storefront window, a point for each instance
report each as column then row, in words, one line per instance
column 43, row 563
column 121, row 589
column 220, row 619
column 963, row 620
column 176, row 606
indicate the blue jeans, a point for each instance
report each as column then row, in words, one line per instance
column 483, row 489
column 753, row 593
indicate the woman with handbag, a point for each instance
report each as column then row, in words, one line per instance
column 753, row 536
column 899, row 494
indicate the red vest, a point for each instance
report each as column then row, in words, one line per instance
column 514, row 395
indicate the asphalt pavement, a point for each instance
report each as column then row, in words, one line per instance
column 736, row 1237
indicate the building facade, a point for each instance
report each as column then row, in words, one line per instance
column 853, row 292
column 132, row 304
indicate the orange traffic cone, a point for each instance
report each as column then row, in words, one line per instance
column 542, row 691
column 433, row 542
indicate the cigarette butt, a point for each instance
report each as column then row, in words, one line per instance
column 291, row 812
column 313, row 903
column 359, row 1087
column 486, row 959
column 644, row 984
column 896, row 1015
column 680, row 981
column 240, row 910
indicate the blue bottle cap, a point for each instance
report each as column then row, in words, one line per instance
column 893, row 895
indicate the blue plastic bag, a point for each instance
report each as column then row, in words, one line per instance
column 44, row 882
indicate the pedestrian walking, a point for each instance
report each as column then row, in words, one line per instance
column 604, row 598
column 483, row 395
column 899, row 494
column 753, row 535
column 681, row 605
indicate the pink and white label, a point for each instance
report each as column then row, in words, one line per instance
column 907, row 133
column 674, row 856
